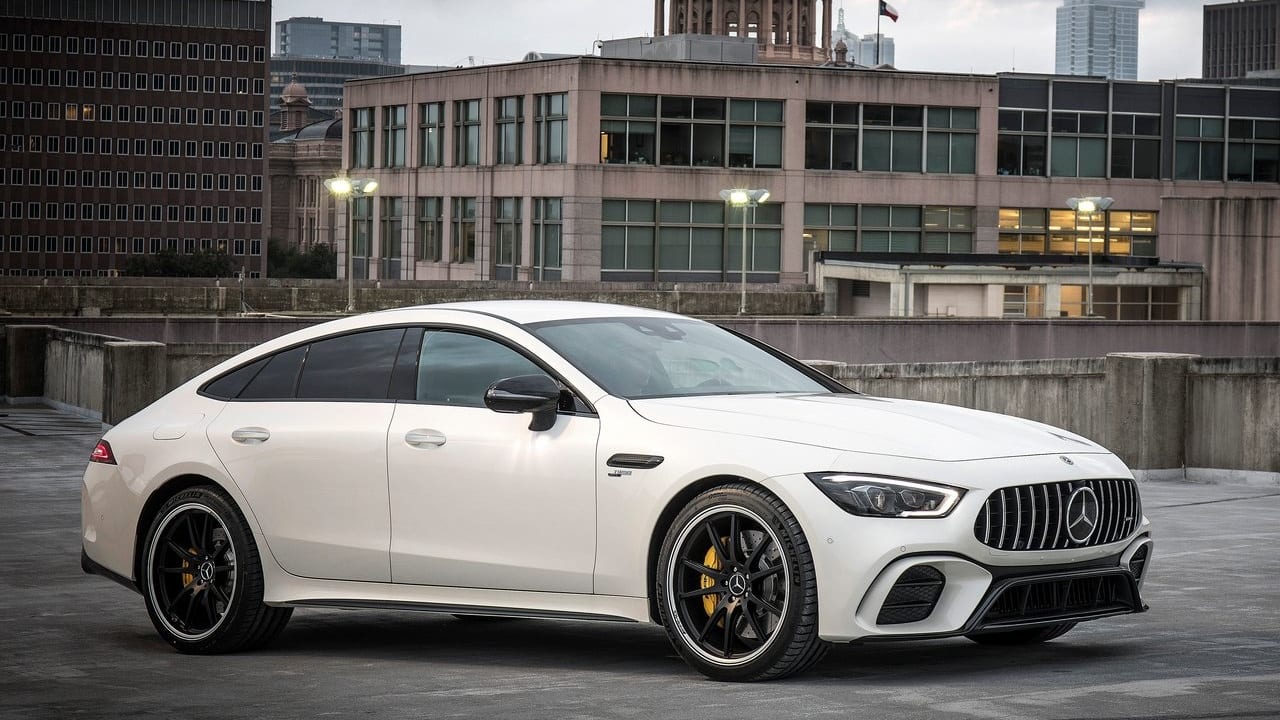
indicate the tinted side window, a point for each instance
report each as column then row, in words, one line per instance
column 356, row 366
column 456, row 369
column 230, row 385
column 277, row 379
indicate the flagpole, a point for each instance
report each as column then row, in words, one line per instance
column 878, row 13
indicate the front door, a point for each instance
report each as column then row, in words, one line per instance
column 477, row 498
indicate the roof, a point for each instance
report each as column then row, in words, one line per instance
column 524, row 312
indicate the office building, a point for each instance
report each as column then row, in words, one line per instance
column 131, row 129
column 1098, row 38
column 1241, row 39
column 897, row 193
column 862, row 50
column 317, row 37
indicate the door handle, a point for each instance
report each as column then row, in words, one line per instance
column 250, row 435
column 422, row 438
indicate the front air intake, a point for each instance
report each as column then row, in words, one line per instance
column 913, row 597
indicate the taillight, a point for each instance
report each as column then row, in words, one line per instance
column 102, row 453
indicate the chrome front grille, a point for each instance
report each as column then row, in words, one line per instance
column 1053, row 516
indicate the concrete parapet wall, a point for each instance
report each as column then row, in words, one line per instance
column 177, row 296
column 1066, row 393
column 1235, row 405
column 1165, row 414
column 73, row 370
column 187, row 360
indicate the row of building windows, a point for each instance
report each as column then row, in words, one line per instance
column 70, row 144
column 690, row 238
column 54, row 77
column 88, row 112
column 120, row 212
column 892, row 138
column 431, row 243
column 550, row 119
column 53, row 177
column 85, row 272
column 124, row 246
column 1084, row 145
column 888, row 228
column 740, row 133
column 1109, row 301
column 1066, row 232
column 118, row 47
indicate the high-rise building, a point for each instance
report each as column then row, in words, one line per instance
column 134, row 133
column 1241, row 38
column 862, row 51
column 317, row 37
column 1098, row 38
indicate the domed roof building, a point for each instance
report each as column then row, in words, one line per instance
column 305, row 150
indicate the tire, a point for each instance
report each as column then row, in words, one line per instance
column 736, row 587
column 217, row 606
column 1025, row 636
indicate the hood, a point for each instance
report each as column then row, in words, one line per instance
column 865, row 424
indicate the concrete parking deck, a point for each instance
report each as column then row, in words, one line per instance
column 73, row 645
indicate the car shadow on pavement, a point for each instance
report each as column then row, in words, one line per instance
column 610, row 647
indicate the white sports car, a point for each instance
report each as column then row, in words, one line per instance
column 587, row 461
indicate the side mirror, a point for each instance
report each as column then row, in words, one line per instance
column 537, row 394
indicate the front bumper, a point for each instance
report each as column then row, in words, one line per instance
column 869, row 570
column 973, row 598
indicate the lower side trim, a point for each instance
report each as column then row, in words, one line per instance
column 92, row 567
column 458, row 609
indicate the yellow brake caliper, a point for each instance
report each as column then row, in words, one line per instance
column 712, row 560
column 188, row 578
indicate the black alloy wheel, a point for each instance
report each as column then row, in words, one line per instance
column 736, row 587
column 201, row 578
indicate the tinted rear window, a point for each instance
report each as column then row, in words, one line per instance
column 278, row 378
column 356, row 366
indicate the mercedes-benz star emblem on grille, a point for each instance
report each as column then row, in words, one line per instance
column 1082, row 515
column 1065, row 459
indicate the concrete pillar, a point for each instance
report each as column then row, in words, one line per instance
column 133, row 376
column 657, row 18
column 24, row 360
column 1053, row 300
column 899, row 297
column 765, row 34
column 1146, row 395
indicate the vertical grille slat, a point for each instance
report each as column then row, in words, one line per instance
column 1034, row 517
column 1017, row 517
column 1044, row 532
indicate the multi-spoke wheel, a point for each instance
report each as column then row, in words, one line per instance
column 735, row 585
column 201, row 578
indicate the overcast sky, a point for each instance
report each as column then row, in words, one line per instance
column 981, row 36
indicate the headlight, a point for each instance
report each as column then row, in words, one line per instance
column 874, row 496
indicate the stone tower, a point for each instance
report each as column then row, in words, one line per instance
column 786, row 30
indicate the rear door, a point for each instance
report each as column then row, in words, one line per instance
column 305, row 441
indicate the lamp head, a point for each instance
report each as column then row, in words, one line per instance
column 339, row 186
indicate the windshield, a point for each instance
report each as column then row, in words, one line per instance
column 658, row 357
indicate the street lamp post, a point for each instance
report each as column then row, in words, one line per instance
column 1089, row 205
column 345, row 188
column 744, row 198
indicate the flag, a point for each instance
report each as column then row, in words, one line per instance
column 887, row 10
